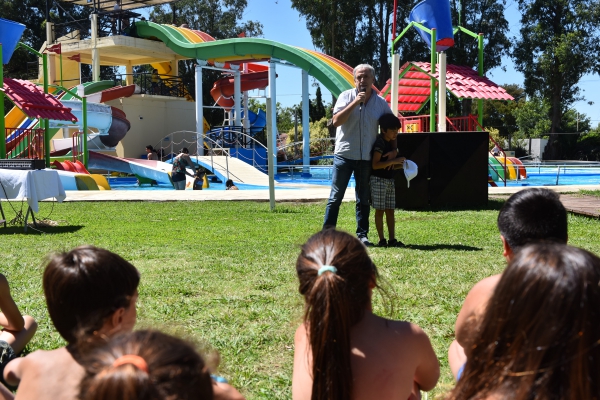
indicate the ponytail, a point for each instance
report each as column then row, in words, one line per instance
column 145, row 365
column 334, row 272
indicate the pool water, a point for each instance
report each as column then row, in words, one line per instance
column 544, row 176
column 565, row 176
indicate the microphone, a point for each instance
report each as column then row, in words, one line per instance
column 361, row 90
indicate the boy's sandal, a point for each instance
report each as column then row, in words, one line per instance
column 382, row 243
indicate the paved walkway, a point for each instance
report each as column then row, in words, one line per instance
column 573, row 202
column 585, row 205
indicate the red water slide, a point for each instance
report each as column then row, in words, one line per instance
column 222, row 91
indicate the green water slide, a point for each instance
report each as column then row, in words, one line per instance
column 246, row 49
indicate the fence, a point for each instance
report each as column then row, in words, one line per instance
column 25, row 143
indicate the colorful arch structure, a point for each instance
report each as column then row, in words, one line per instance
column 335, row 75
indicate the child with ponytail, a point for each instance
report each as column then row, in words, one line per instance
column 342, row 350
column 145, row 365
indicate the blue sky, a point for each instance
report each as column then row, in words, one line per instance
column 283, row 24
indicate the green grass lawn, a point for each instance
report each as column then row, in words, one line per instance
column 224, row 272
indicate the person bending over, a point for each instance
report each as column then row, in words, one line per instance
column 178, row 173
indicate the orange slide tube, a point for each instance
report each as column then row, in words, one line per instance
column 519, row 167
column 222, row 90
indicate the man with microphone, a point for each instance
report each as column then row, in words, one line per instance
column 355, row 115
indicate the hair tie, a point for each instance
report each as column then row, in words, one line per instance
column 326, row 268
column 132, row 359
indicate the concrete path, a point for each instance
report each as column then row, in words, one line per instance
column 584, row 205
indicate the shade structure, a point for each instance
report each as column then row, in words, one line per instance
column 434, row 14
column 10, row 34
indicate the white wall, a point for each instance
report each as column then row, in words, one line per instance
column 537, row 147
column 152, row 118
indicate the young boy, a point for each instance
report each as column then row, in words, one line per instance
column 383, row 191
column 527, row 216
column 90, row 293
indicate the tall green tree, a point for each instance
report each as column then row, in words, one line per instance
column 358, row 31
column 500, row 114
column 559, row 43
column 352, row 31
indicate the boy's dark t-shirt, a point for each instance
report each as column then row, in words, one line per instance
column 382, row 146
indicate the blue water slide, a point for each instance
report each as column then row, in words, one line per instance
column 257, row 120
column 434, row 14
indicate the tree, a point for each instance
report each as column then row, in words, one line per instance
column 316, row 109
column 559, row 43
column 500, row 114
column 352, row 31
column 359, row 31
column 532, row 118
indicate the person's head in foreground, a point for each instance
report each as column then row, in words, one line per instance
column 185, row 150
column 336, row 277
column 90, row 291
column 229, row 183
column 539, row 336
column 145, row 365
column 531, row 215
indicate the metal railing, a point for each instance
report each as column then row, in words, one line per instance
column 563, row 169
column 420, row 123
column 167, row 85
column 173, row 143
column 318, row 147
column 25, row 143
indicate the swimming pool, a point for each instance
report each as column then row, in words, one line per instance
column 536, row 176
column 558, row 175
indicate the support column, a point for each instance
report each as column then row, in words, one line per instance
column 442, row 93
column 2, row 122
column 237, row 97
column 272, row 133
column 95, row 52
column 432, row 86
column 174, row 68
column 129, row 73
column 199, row 112
column 305, row 127
column 272, row 117
column 246, row 120
column 395, row 79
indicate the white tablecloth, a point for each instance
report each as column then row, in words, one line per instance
column 33, row 185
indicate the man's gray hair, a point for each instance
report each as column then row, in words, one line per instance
column 364, row 66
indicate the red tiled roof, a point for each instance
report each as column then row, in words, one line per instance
column 32, row 100
column 462, row 82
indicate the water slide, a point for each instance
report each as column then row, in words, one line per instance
column 151, row 169
column 333, row 74
column 98, row 115
column 223, row 89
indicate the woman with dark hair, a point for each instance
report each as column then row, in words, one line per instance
column 342, row 350
column 178, row 173
column 539, row 337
